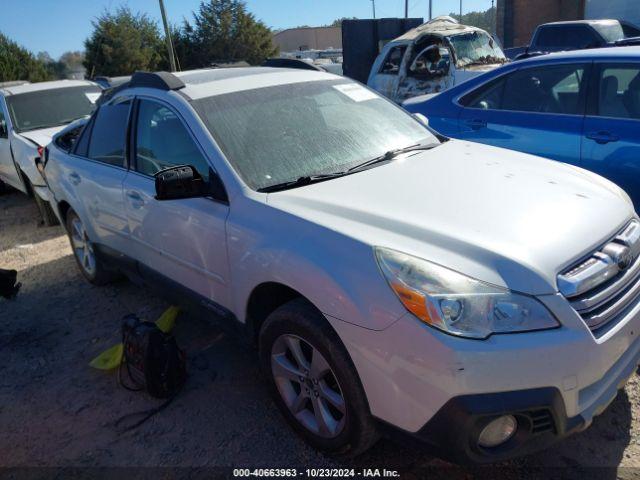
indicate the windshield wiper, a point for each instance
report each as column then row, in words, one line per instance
column 309, row 179
column 301, row 182
column 391, row 154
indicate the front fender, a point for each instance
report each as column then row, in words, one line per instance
column 25, row 153
column 338, row 274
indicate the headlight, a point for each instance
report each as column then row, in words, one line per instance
column 457, row 304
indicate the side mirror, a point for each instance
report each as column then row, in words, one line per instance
column 182, row 181
column 3, row 129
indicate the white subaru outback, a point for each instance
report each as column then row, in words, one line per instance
column 482, row 300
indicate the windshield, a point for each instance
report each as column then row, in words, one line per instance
column 610, row 31
column 476, row 48
column 282, row 133
column 50, row 108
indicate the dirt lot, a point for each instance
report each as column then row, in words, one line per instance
column 57, row 411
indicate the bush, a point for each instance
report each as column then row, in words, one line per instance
column 17, row 63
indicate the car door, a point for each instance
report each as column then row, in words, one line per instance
column 182, row 241
column 8, row 171
column 537, row 110
column 611, row 140
column 94, row 174
column 385, row 81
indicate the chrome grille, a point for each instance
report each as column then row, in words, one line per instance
column 604, row 287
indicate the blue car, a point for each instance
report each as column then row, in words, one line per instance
column 580, row 107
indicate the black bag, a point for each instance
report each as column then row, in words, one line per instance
column 151, row 359
column 8, row 286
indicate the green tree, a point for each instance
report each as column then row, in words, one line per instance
column 123, row 42
column 17, row 63
column 223, row 31
column 68, row 63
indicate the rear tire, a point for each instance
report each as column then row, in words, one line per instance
column 90, row 265
column 314, row 382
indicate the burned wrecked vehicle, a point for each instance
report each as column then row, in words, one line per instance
column 433, row 57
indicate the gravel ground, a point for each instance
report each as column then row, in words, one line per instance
column 57, row 411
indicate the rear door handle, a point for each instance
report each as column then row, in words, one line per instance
column 135, row 198
column 602, row 137
column 476, row 124
column 74, row 178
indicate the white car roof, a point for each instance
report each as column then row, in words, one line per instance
column 217, row 81
column 444, row 26
column 35, row 87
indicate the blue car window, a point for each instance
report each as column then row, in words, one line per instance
column 487, row 97
column 619, row 91
column 548, row 89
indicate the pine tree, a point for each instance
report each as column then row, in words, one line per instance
column 17, row 63
column 123, row 42
column 223, row 31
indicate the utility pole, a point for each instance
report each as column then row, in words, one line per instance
column 167, row 36
column 406, row 8
column 373, row 2
column 460, row 11
column 430, row 9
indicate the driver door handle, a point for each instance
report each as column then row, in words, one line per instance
column 602, row 137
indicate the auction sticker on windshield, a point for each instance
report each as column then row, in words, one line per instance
column 355, row 92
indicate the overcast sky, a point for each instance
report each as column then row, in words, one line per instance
column 60, row 25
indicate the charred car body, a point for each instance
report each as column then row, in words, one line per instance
column 433, row 57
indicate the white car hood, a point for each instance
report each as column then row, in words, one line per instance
column 504, row 217
column 43, row 136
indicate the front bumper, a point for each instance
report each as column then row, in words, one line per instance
column 442, row 388
column 542, row 418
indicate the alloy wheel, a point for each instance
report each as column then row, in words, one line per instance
column 308, row 386
column 82, row 248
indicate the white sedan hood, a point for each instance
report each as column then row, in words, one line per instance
column 43, row 136
column 500, row 216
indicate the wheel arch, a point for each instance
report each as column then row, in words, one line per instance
column 264, row 299
column 63, row 208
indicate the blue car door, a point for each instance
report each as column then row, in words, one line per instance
column 537, row 110
column 611, row 140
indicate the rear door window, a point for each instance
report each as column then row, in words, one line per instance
column 549, row 89
column 108, row 136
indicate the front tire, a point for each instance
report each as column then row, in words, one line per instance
column 314, row 382
column 88, row 262
column 46, row 212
